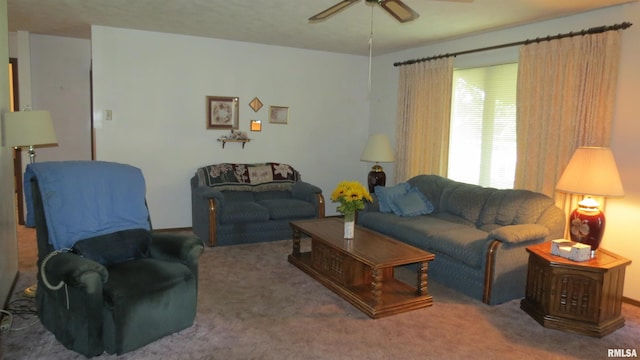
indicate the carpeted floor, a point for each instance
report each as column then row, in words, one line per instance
column 253, row 304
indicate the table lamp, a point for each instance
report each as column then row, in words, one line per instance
column 378, row 149
column 592, row 171
column 27, row 129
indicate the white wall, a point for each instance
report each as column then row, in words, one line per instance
column 8, row 237
column 623, row 213
column 54, row 75
column 156, row 84
column 60, row 83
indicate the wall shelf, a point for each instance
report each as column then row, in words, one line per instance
column 225, row 141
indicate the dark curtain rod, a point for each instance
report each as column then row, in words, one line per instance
column 593, row 30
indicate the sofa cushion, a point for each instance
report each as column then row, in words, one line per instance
column 270, row 195
column 288, row 208
column 386, row 195
column 464, row 200
column 432, row 233
column 466, row 244
column 116, row 247
column 509, row 207
column 431, row 186
column 130, row 281
column 243, row 211
column 412, row 203
column 238, row 196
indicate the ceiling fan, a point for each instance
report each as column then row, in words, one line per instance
column 395, row 8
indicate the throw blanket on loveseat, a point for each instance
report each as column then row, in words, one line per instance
column 479, row 235
column 248, row 177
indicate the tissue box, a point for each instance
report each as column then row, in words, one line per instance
column 557, row 244
column 580, row 252
column 570, row 250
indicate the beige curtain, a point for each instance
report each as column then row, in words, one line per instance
column 566, row 92
column 424, row 110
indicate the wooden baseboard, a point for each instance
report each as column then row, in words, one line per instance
column 630, row 301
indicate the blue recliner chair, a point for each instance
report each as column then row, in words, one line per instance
column 106, row 282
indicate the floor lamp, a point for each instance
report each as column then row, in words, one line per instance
column 378, row 149
column 28, row 129
column 592, row 171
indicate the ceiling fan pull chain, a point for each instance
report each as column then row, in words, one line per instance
column 370, row 49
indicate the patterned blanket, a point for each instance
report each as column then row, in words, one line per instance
column 248, row 177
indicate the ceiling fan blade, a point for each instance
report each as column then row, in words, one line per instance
column 399, row 10
column 332, row 10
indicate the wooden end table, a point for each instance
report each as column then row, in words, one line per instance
column 580, row 297
column 361, row 270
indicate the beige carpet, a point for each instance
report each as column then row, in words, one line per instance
column 254, row 305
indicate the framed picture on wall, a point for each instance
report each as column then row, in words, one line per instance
column 222, row 112
column 279, row 114
column 256, row 125
column 255, row 104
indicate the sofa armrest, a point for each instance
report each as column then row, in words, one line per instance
column 515, row 234
column 176, row 247
column 305, row 191
column 205, row 193
column 74, row 270
column 310, row 193
column 374, row 205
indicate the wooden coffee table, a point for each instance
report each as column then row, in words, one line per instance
column 361, row 270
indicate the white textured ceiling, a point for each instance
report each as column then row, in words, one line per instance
column 284, row 22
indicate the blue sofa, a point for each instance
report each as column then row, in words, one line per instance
column 478, row 234
column 247, row 203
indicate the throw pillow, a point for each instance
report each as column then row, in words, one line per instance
column 116, row 247
column 412, row 203
column 386, row 195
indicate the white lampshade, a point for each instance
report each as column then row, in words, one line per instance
column 28, row 128
column 591, row 171
column 378, row 149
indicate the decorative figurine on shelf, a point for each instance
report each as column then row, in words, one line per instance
column 235, row 135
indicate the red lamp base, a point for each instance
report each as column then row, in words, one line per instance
column 587, row 224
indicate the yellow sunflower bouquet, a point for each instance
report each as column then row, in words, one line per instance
column 351, row 195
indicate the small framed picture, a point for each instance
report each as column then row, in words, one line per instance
column 256, row 125
column 222, row 112
column 279, row 114
column 255, row 104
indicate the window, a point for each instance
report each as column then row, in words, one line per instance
column 482, row 139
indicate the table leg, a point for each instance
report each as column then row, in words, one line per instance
column 376, row 286
column 421, row 289
column 296, row 243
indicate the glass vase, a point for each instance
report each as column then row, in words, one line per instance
column 349, row 225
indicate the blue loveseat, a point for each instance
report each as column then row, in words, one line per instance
column 478, row 234
column 247, row 203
